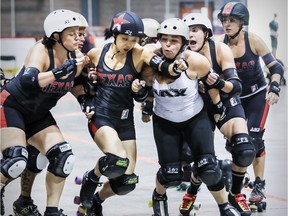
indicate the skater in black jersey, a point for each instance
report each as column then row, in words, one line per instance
column 47, row 75
column 256, row 96
column 117, row 64
column 233, row 126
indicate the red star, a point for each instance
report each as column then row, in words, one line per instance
column 118, row 21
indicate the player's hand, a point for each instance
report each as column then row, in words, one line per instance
column 180, row 65
column 272, row 95
column 137, row 85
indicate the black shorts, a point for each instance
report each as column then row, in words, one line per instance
column 125, row 128
column 13, row 115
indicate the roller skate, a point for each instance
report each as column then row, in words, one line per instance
column 239, row 202
column 225, row 166
column 96, row 209
column 1, row 201
column 228, row 210
column 257, row 196
column 87, row 190
column 188, row 204
column 59, row 213
column 159, row 204
column 25, row 207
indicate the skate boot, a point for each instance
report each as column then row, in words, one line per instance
column 228, row 210
column 239, row 202
column 1, row 201
column 59, row 213
column 25, row 207
column 160, row 205
column 88, row 188
column 187, row 204
column 257, row 195
column 96, row 209
column 225, row 166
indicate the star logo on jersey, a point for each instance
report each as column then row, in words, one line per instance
column 118, row 21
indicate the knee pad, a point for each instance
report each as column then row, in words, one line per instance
column 61, row 159
column 112, row 166
column 124, row 184
column 36, row 161
column 170, row 175
column 14, row 161
column 207, row 169
column 243, row 150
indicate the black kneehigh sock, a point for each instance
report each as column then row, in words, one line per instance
column 92, row 176
column 194, row 187
column 237, row 181
column 51, row 209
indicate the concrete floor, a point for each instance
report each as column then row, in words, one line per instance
column 74, row 127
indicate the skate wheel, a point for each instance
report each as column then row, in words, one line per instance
column 197, row 205
column 259, row 207
column 264, row 205
column 78, row 180
column 150, row 203
column 82, row 210
column 77, row 200
column 253, row 207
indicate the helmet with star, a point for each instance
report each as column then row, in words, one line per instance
column 128, row 23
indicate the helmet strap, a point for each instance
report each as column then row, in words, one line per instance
column 236, row 34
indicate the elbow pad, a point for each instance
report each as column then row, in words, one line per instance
column 29, row 79
column 237, row 87
column 277, row 68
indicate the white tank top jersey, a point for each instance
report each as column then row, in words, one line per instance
column 177, row 101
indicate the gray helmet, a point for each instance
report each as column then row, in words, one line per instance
column 199, row 19
column 174, row 26
column 150, row 27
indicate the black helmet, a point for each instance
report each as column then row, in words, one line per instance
column 235, row 9
column 127, row 23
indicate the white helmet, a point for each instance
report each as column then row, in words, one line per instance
column 83, row 20
column 59, row 20
column 150, row 27
column 199, row 19
column 174, row 26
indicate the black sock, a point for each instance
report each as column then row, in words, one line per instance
column 237, row 181
column 51, row 209
column 194, row 187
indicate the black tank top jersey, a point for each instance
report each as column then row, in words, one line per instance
column 249, row 69
column 114, row 95
column 44, row 99
column 226, row 98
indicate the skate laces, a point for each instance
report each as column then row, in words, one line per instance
column 187, row 201
column 259, row 189
column 240, row 199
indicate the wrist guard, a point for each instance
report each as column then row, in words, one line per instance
column 142, row 94
column 64, row 69
column 274, row 87
column 147, row 108
column 220, row 109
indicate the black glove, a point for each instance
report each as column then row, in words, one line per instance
column 64, row 69
column 274, row 87
column 220, row 109
column 219, row 84
column 147, row 108
column 86, row 101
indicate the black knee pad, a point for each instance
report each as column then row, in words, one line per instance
column 207, row 169
column 14, row 161
column 61, row 159
column 112, row 165
column 36, row 161
column 243, row 150
column 124, row 184
column 170, row 175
